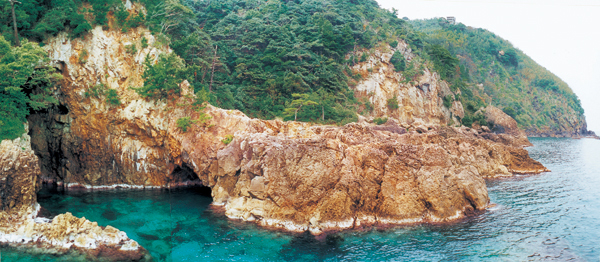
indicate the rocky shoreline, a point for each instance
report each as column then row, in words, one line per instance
column 293, row 176
column 65, row 233
column 288, row 175
column 20, row 225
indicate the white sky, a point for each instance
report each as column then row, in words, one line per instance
column 561, row 35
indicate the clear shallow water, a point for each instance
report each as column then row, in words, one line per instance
column 552, row 216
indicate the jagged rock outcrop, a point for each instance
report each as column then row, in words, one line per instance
column 19, row 180
column 89, row 141
column 302, row 177
column 66, row 233
column 19, row 172
column 505, row 127
column 285, row 174
column 419, row 100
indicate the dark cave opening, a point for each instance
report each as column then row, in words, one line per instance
column 47, row 128
column 184, row 176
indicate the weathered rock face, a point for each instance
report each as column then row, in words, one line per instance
column 19, row 181
column 19, row 172
column 318, row 178
column 66, row 233
column 85, row 140
column 505, row 127
column 418, row 101
column 283, row 174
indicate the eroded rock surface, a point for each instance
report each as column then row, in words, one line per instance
column 67, row 233
column 418, row 99
column 291, row 175
column 505, row 127
column 19, row 172
column 302, row 177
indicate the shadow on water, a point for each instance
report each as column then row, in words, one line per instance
column 305, row 246
column 110, row 214
column 148, row 237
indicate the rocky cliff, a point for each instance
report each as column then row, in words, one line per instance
column 291, row 175
column 19, row 173
column 418, row 100
column 496, row 73
column 19, row 180
column 320, row 178
column 286, row 174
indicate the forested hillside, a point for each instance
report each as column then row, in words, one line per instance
column 501, row 75
column 292, row 59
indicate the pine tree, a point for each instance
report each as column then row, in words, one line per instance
column 299, row 101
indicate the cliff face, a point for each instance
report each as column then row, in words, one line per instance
column 418, row 101
column 291, row 175
column 19, row 180
column 19, row 172
column 85, row 139
column 567, row 125
column 498, row 73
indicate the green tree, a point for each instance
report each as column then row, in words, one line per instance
column 392, row 103
column 398, row 61
column 444, row 62
column 163, row 78
column 509, row 58
column 62, row 15
column 510, row 111
column 448, row 101
column 14, row 20
column 299, row 101
column 25, row 85
column 112, row 97
column 170, row 16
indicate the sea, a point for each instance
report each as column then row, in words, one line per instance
column 553, row 216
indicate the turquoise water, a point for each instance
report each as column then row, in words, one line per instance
column 552, row 216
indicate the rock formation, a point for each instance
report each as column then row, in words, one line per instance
column 352, row 170
column 418, row 100
column 505, row 127
column 19, row 172
column 302, row 177
column 289, row 175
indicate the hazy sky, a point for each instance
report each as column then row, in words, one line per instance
column 563, row 36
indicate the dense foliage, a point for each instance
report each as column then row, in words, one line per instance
column 25, row 85
column 489, row 70
column 163, row 78
column 40, row 19
column 264, row 52
column 292, row 59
